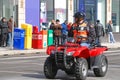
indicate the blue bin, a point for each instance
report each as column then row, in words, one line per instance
column 19, row 35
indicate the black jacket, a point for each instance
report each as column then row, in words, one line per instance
column 99, row 30
column 92, row 35
column 3, row 27
column 109, row 28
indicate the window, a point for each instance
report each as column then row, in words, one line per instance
column 116, row 15
column 47, row 10
column 6, row 9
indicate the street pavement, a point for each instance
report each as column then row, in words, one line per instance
column 30, row 67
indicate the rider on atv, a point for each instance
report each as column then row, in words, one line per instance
column 80, row 29
column 74, row 59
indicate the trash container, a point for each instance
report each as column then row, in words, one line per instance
column 44, row 33
column 27, row 28
column 28, row 35
column 35, row 29
column 50, row 37
column 37, row 40
column 19, row 35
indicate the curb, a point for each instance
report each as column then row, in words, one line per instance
column 22, row 52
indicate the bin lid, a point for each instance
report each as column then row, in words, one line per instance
column 50, row 30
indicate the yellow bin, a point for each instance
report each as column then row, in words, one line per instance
column 28, row 42
column 27, row 28
column 23, row 26
column 28, row 35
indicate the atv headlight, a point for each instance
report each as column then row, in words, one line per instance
column 70, row 53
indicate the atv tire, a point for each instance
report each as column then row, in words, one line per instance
column 50, row 69
column 101, row 71
column 70, row 71
column 81, row 69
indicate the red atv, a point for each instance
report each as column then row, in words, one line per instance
column 75, row 60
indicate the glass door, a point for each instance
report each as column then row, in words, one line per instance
column 91, row 10
column 101, row 13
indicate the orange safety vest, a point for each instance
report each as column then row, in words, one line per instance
column 81, row 31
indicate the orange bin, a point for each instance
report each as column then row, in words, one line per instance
column 44, row 32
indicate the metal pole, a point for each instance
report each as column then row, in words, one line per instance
column 13, row 24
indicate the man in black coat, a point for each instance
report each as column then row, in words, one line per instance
column 3, row 32
column 99, row 32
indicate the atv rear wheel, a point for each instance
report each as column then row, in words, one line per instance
column 101, row 71
column 50, row 69
column 81, row 69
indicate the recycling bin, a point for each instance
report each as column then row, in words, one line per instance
column 28, row 35
column 35, row 29
column 18, row 41
column 50, row 37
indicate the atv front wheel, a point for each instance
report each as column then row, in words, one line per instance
column 81, row 69
column 101, row 71
column 70, row 71
column 50, row 69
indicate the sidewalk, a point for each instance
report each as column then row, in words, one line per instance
column 112, row 45
column 8, row 51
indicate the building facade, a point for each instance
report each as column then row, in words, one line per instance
column 36, row 12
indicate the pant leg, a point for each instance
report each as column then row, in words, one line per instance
column 64, row 39
column 55, row 41
column 59, row 40
column 109, row 38
column 112, row 38
column 85, row 44
column 9, row 39
column 5, row 39
column 98, row 41
column 2, row 40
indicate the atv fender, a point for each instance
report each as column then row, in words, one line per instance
column 49, row 49
column 82, row 52
column 96, row 61
column 97, row 51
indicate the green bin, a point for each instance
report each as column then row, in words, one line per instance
column 50, row 37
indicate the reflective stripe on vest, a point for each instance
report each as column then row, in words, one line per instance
column 81, row 31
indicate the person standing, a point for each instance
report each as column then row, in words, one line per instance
column 92, row 34
column 110, row 30
column 9, row 36
column 69, row 27
column 4, row 32
column 99, row 32
column 57, row 32
column 64, row 32
column 52, row 24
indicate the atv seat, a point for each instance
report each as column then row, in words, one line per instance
column 70, row 39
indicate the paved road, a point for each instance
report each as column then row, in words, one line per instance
column 30, row 67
